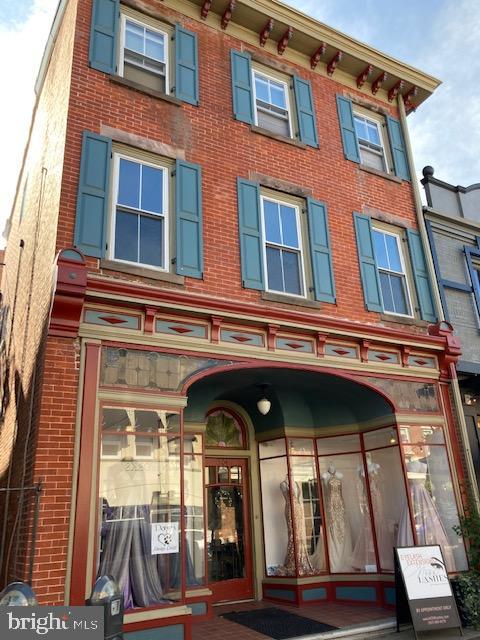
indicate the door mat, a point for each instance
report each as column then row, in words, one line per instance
column 277, row 623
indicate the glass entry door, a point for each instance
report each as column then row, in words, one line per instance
column 228, row 529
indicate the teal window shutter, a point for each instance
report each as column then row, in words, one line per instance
column 241, row 68
column 397, row 145
column 368, row 266
column 186, row 65
column 103, row 35
column 307, row 126
column 420, row 274
column 188, row 208
column 324, row 283
column 92, row 202
column 250, row 230
column 347, row 129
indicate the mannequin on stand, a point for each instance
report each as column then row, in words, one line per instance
column 297, row 535
column 338, row 528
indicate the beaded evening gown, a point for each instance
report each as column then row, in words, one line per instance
column 339, row 537
column 297, row 535
column 427, row 522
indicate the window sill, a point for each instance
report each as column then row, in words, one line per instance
column 380, row 174
column 144, row 272
column 286, row 299
column 414, row 322
column 276, row 136
column 143, row 89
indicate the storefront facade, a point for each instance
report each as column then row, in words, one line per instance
column 196, row 497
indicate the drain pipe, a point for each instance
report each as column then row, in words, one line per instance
column 457, row 399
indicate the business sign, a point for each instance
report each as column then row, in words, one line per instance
column 58, row 623
column 164, row 537
column 427, row 588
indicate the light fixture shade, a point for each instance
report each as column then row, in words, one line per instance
column 263, row 405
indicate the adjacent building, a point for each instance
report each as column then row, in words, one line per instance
column 223, row 374
column 452, row 219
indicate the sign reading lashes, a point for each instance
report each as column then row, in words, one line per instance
column 164, row 537
column 421, row 580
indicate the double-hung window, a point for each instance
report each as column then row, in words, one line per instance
column 140, row 214
column 283, row 247
column 392, row 274
column 144, row 54
column 272, row 110
column 369, row 135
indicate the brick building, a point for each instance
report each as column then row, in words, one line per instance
column 221, row 352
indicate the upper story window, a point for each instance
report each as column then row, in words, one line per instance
column 392, row 273
column 144, row 55
column 372, row 139
column 392, row 268
column 147, row 52
column 284, row 244
column 140, row 214
column 283, row 247
column 137, row 208
column 273, row 101
column 370, row 142
column 272, row 104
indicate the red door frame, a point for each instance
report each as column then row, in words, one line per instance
column 237, row 588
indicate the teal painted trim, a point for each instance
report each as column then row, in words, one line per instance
column 173, row 632
column 251, row 339
column 186, row 65
column 104, row 35
column 280, row 594
column 251, row 237
column 189, row 219
column 420, row 274
column 320, row 253
column 362, row 594
column 242, row 93
column 372, row 292
column 319, row 593
column 307, row 127
column 191, row 330
column 123, row 321
column 397, row 145
column 389, row 595
column 283, row 343
column 347, row 129
column 92, row 200
column 198, row 608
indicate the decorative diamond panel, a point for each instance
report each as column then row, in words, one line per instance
column 340, row 351
column 187, row 329
column 292, row 344
column 385, row 357
column 422, row 361
column 242, row 337
column 109, row 319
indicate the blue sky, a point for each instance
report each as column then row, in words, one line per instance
column 439, row 37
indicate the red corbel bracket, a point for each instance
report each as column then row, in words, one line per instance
column 149, row 325
column 321, row 340
column 284, row 40
column 315, row 59
column 205, row 9
column 377, row 84
column 395, row 90
column 405, row 355
column 364, row 347
column 216, row 321
column 227, row 14
column 362, row 78
column 332, row 65
column 407, row 98
column 272, row 332
column 266, row 31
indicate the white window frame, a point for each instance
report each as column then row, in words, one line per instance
column 287, row 98
column 165, row 213
column 111, row 436
column 153, row 448
column 121, row 62
column 300, row 249
column 403, row 273
column 368, row 146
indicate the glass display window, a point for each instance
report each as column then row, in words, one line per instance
column 272, row 448
column 225, row 429
column 300, row 446
column 380, row 438
column 432, row 499
column 139, row 535
column 194, row 511
column 276, row 507
column 338, row 444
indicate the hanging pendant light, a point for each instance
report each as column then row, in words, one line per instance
column 263, row 405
